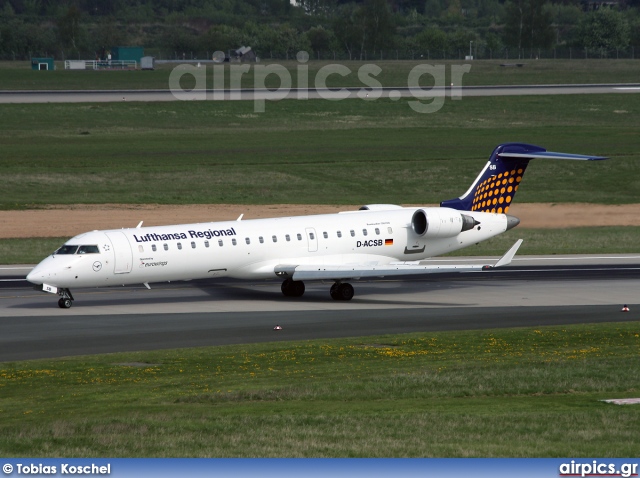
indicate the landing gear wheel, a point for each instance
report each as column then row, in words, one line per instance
column 293, row 288
column 65, row 303
column 342, row 291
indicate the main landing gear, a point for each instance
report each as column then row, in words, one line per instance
column 339, row 290
column 66, row 299
column 292, row 288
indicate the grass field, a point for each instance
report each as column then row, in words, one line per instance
column 19, row 76
column 490, row 393
column 311, row 152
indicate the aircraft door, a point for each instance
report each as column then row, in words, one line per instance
column 122, row 252
column 312, row 238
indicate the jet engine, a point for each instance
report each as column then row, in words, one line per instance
column 441, row 222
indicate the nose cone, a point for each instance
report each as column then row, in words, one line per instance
column 37, row 275
column 512, row 222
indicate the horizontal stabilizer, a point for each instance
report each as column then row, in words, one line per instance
column 550, row 155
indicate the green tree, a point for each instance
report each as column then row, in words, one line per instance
column 604, row 28
column 379, row 28
column 70, row 31
column 432, row 40
column 320, row 38
column 350, row 28
column 528, row 24
column 222, row 38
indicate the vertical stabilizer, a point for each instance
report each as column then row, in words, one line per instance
column 496, row 185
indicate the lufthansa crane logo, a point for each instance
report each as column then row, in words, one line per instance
column 97, row 266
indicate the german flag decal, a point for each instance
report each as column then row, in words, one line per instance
column 388, row 242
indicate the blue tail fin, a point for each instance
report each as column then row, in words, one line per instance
column 496, row 185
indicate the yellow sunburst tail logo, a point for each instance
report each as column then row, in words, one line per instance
column 496, row 185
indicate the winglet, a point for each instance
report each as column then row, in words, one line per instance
column 506, row 259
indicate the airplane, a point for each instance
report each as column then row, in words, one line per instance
column 378, row 240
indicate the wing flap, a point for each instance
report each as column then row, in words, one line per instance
column 359, row 271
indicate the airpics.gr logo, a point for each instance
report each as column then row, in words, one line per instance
column 596, row 468
column 426, row 99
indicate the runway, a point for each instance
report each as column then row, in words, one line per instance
column 536, row 291
column 394, row 93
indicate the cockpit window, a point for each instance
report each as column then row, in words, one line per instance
column 67, row 250
column 88, row 250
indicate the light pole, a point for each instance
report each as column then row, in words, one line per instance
column 470, row 43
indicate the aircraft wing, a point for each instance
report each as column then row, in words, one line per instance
column 357, row 271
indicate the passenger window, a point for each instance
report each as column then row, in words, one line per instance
column 325, row 235
column 364, row 232
column 220, row 242
column 166, row 247
column 206, row 243
column 247, row 240
column 353, row 233
column 377, row 231
column 389, row 230
column 140, row 248
column 299, row 237
column 339, row 234
column 312, row 236
column 154, row 248
column 275, row 239
column 193, row 245
column 234, row 242
column 288, row 237
column 261, row 239
column 179, row 246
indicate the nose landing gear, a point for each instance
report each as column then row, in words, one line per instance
column 66, row 299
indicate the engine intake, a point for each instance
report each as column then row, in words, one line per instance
column 441, row 222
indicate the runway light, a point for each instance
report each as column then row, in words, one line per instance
column 625, row 308
column 277, row 327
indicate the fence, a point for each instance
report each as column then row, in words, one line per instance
column 100, row 65
column 480, row 52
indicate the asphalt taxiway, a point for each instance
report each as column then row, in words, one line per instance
column 533, row 292
column 99, row 96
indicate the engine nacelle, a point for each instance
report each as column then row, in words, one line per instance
column 379, row 207
column 441, row 222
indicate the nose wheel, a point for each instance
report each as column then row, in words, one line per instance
column 65, row 303
column 66, row 299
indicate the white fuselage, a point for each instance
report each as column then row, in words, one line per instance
column 252, row 249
